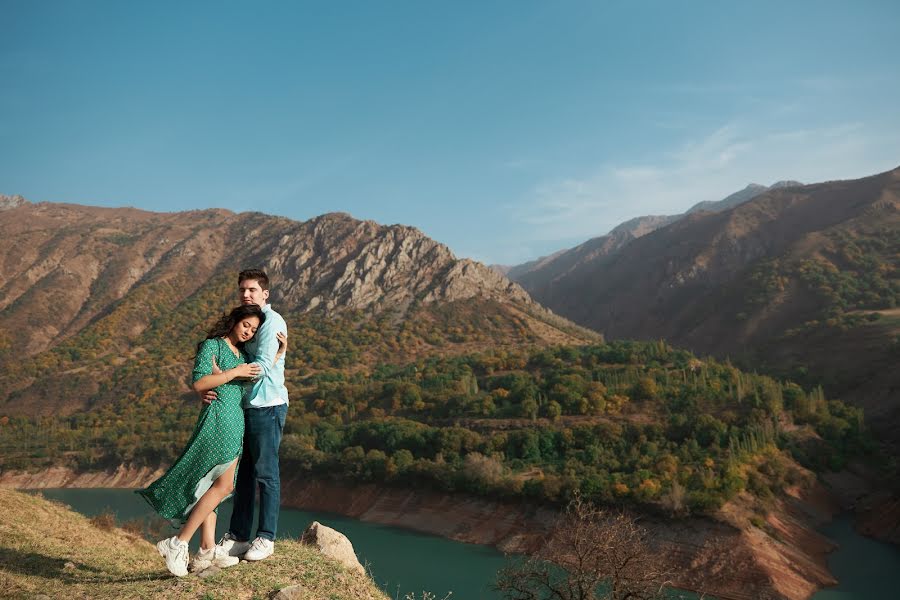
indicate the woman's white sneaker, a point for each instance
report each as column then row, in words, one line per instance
column 215, row 556
column 176, row 554
column 260, row 548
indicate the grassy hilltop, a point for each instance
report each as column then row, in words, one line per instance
column 47, row 549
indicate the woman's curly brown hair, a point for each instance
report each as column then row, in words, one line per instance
column 227, row 322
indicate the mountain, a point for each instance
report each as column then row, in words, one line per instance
column 539, row 273
column 516, row 271
column 799, row 281
column 748, row 193
column 86, row 291
column 407, row 368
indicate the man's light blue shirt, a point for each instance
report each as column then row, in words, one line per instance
column 269, row 389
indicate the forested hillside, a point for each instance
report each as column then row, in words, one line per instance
column 406, row 366
column 799, row 282
column 623, row 422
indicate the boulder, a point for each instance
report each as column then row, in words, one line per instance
column 209, row 572
column 333, row 544
column 294, row 592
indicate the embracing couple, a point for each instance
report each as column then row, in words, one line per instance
column 239, row 373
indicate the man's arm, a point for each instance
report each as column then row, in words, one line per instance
column 267, row 346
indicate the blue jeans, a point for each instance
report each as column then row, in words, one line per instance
column 259, row 467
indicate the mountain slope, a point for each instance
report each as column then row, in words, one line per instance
column 92, row 293
column 748, row 193
column 798, row 280
column 536, row 275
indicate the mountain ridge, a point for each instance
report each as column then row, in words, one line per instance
column 754, row 281
column 331, row 261
column 542, row 271
column 90, row 290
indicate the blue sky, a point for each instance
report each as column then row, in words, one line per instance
column 506, row 130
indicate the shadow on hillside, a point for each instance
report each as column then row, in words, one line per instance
column 51, row 567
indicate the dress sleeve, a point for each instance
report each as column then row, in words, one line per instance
column 203, row 361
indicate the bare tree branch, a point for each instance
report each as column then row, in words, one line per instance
column 592, row 554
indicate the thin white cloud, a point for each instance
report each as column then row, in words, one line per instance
column 705, row 168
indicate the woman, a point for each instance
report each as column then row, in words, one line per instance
column 203, row 476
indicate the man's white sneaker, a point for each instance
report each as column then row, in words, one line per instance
column 260, row 548
column 232, row 546
column 176, row 554
column 214, row 556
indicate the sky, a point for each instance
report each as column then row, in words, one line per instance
column 504, row 129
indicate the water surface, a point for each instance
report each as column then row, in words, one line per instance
column 400, row 561
column 865, row 568
column 406, row 562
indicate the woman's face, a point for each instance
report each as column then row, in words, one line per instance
column 245, row 328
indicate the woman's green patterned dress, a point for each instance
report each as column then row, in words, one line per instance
column 216, row 442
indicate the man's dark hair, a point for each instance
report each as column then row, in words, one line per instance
column 257, row 274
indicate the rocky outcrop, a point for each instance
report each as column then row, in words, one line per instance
column 333, row 544
column 335, row 262
column 7, row 202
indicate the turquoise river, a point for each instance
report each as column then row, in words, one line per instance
column 403, row 561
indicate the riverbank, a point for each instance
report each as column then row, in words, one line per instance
column 726, row 557
column 786, row 558
column 862, row 491
column 62, row 477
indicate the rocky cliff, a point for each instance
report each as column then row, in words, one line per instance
column 63, row 267
column 91, row 291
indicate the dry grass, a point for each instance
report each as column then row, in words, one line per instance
column 47, row 549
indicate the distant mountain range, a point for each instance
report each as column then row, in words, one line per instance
column 799, row 280
column 82, row 288
column 535, row 273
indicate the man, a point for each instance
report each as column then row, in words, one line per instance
column 265, row 408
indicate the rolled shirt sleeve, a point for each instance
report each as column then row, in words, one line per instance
column 268, row 389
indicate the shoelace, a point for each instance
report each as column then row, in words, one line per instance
column 181, row 553
column 259, row 544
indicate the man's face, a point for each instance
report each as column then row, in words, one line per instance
column 249, row 292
